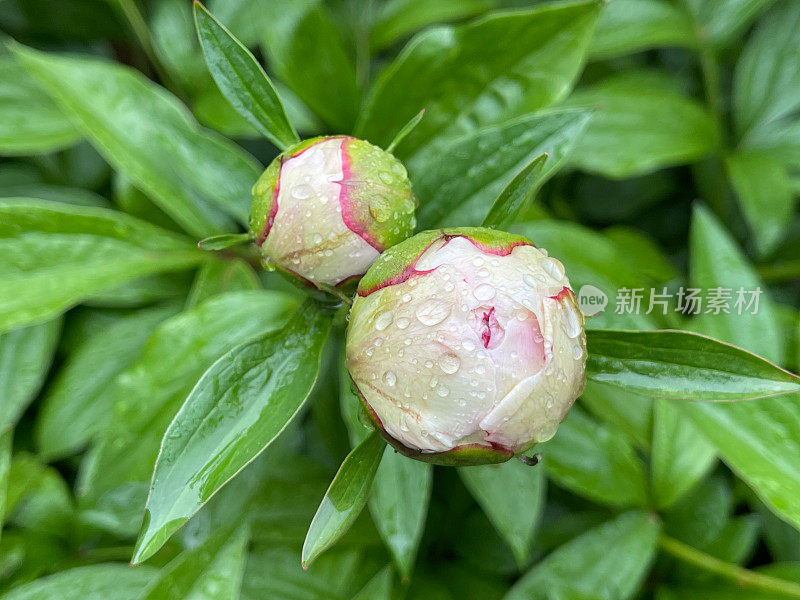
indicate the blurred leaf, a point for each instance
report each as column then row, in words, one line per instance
column 490, row 157
column 681, row 456
column 721, row 21
column 680, row 365
column 627, row 26
column 396, row 19
column 515, row 195
column 717, row 262
column 223, row 241
column 176, row 45
column 399, row 504
column 143, row 291
column 307, row 53
column 592, row 460
column 765, row 194
column 31, row 122
column 38, row 497
column 759, row 441
column 767, row 78
column 219, row 277
column 487, row 71
column 782, row 540
column 512, row 495
column 239, row 406
column 211, row 571
column 641, row 124
column 378, row 588
column 95, row 582
column 25, row 356
column 77, row 404
column 86, row 250
column 627, row 412
column 587, row 565
column 148, row 394
column 55, row 193
column 345, row 498
column 242, row 80
column 150, row 137
column 6, row 442
column 642, row 252
column 701, row 515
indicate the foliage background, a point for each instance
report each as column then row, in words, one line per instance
column 673, row 134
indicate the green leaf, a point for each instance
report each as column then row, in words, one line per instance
column 378, row 588
column 77, row 404
column 717, row 262
column 641, row 124
column 194, row 175
column 681, row 456
column 224, row 241
column 306, row 51
column 759, row 441
column 490, row 157
column 148, row 394
column 465, row 79
column 628, row 26
column 31, row 122
column 25, row 356
column 239, row 406
column 54, row 255
column 345, row 498
column 680, row 365
column 396, row 19
column 608, row 562
column 767, row 77
column 211, row 571
column 593, row 460
column 55, row 193
column 95, row 582
column 219, row 277
column 512, row 496
column 516, row 194
column 765, row 194
column 720, row 22
column 242, row 80
column 6, row 442
column 627, row 412
column 399, row 504
column 39, row 499
column 406, row 129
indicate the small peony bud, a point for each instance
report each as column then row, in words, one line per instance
column 466, row 345
column 327, row 207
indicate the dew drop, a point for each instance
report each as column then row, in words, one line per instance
column 449, row 363
column 383, row 320
column 317, row 238
column 529, row 280
column 432, row 313
column 402, row 322
column 553, row 267
column 442, row 390
column 302, row 191
column 484, row 291
column 390, row 378
column 577, row 352
column 572, row 322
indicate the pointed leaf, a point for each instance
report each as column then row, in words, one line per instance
column 242, row 80
column 399, row 504
column 608, row 562
column 239, row 406
column 377, row 588
column 512, row 496
column 466, row 80
column 516, row 194
column 217, row 564
column 25, row 356
column 87, row 250
column 224, row 240
column 447, row 196
column 196, row 176
column 345, row 497
column 680, row 365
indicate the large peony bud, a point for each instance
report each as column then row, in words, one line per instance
column 466, row 345
column 327, row 207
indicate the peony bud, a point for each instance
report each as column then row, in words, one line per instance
column 466, row 345
column 327, row 207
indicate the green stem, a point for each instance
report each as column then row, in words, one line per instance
column 739, row 575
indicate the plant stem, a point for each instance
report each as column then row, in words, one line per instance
column 739, row 575
column 786, row 270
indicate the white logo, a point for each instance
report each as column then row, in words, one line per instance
column 592, row 300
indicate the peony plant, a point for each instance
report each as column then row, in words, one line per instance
column 540, row 323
